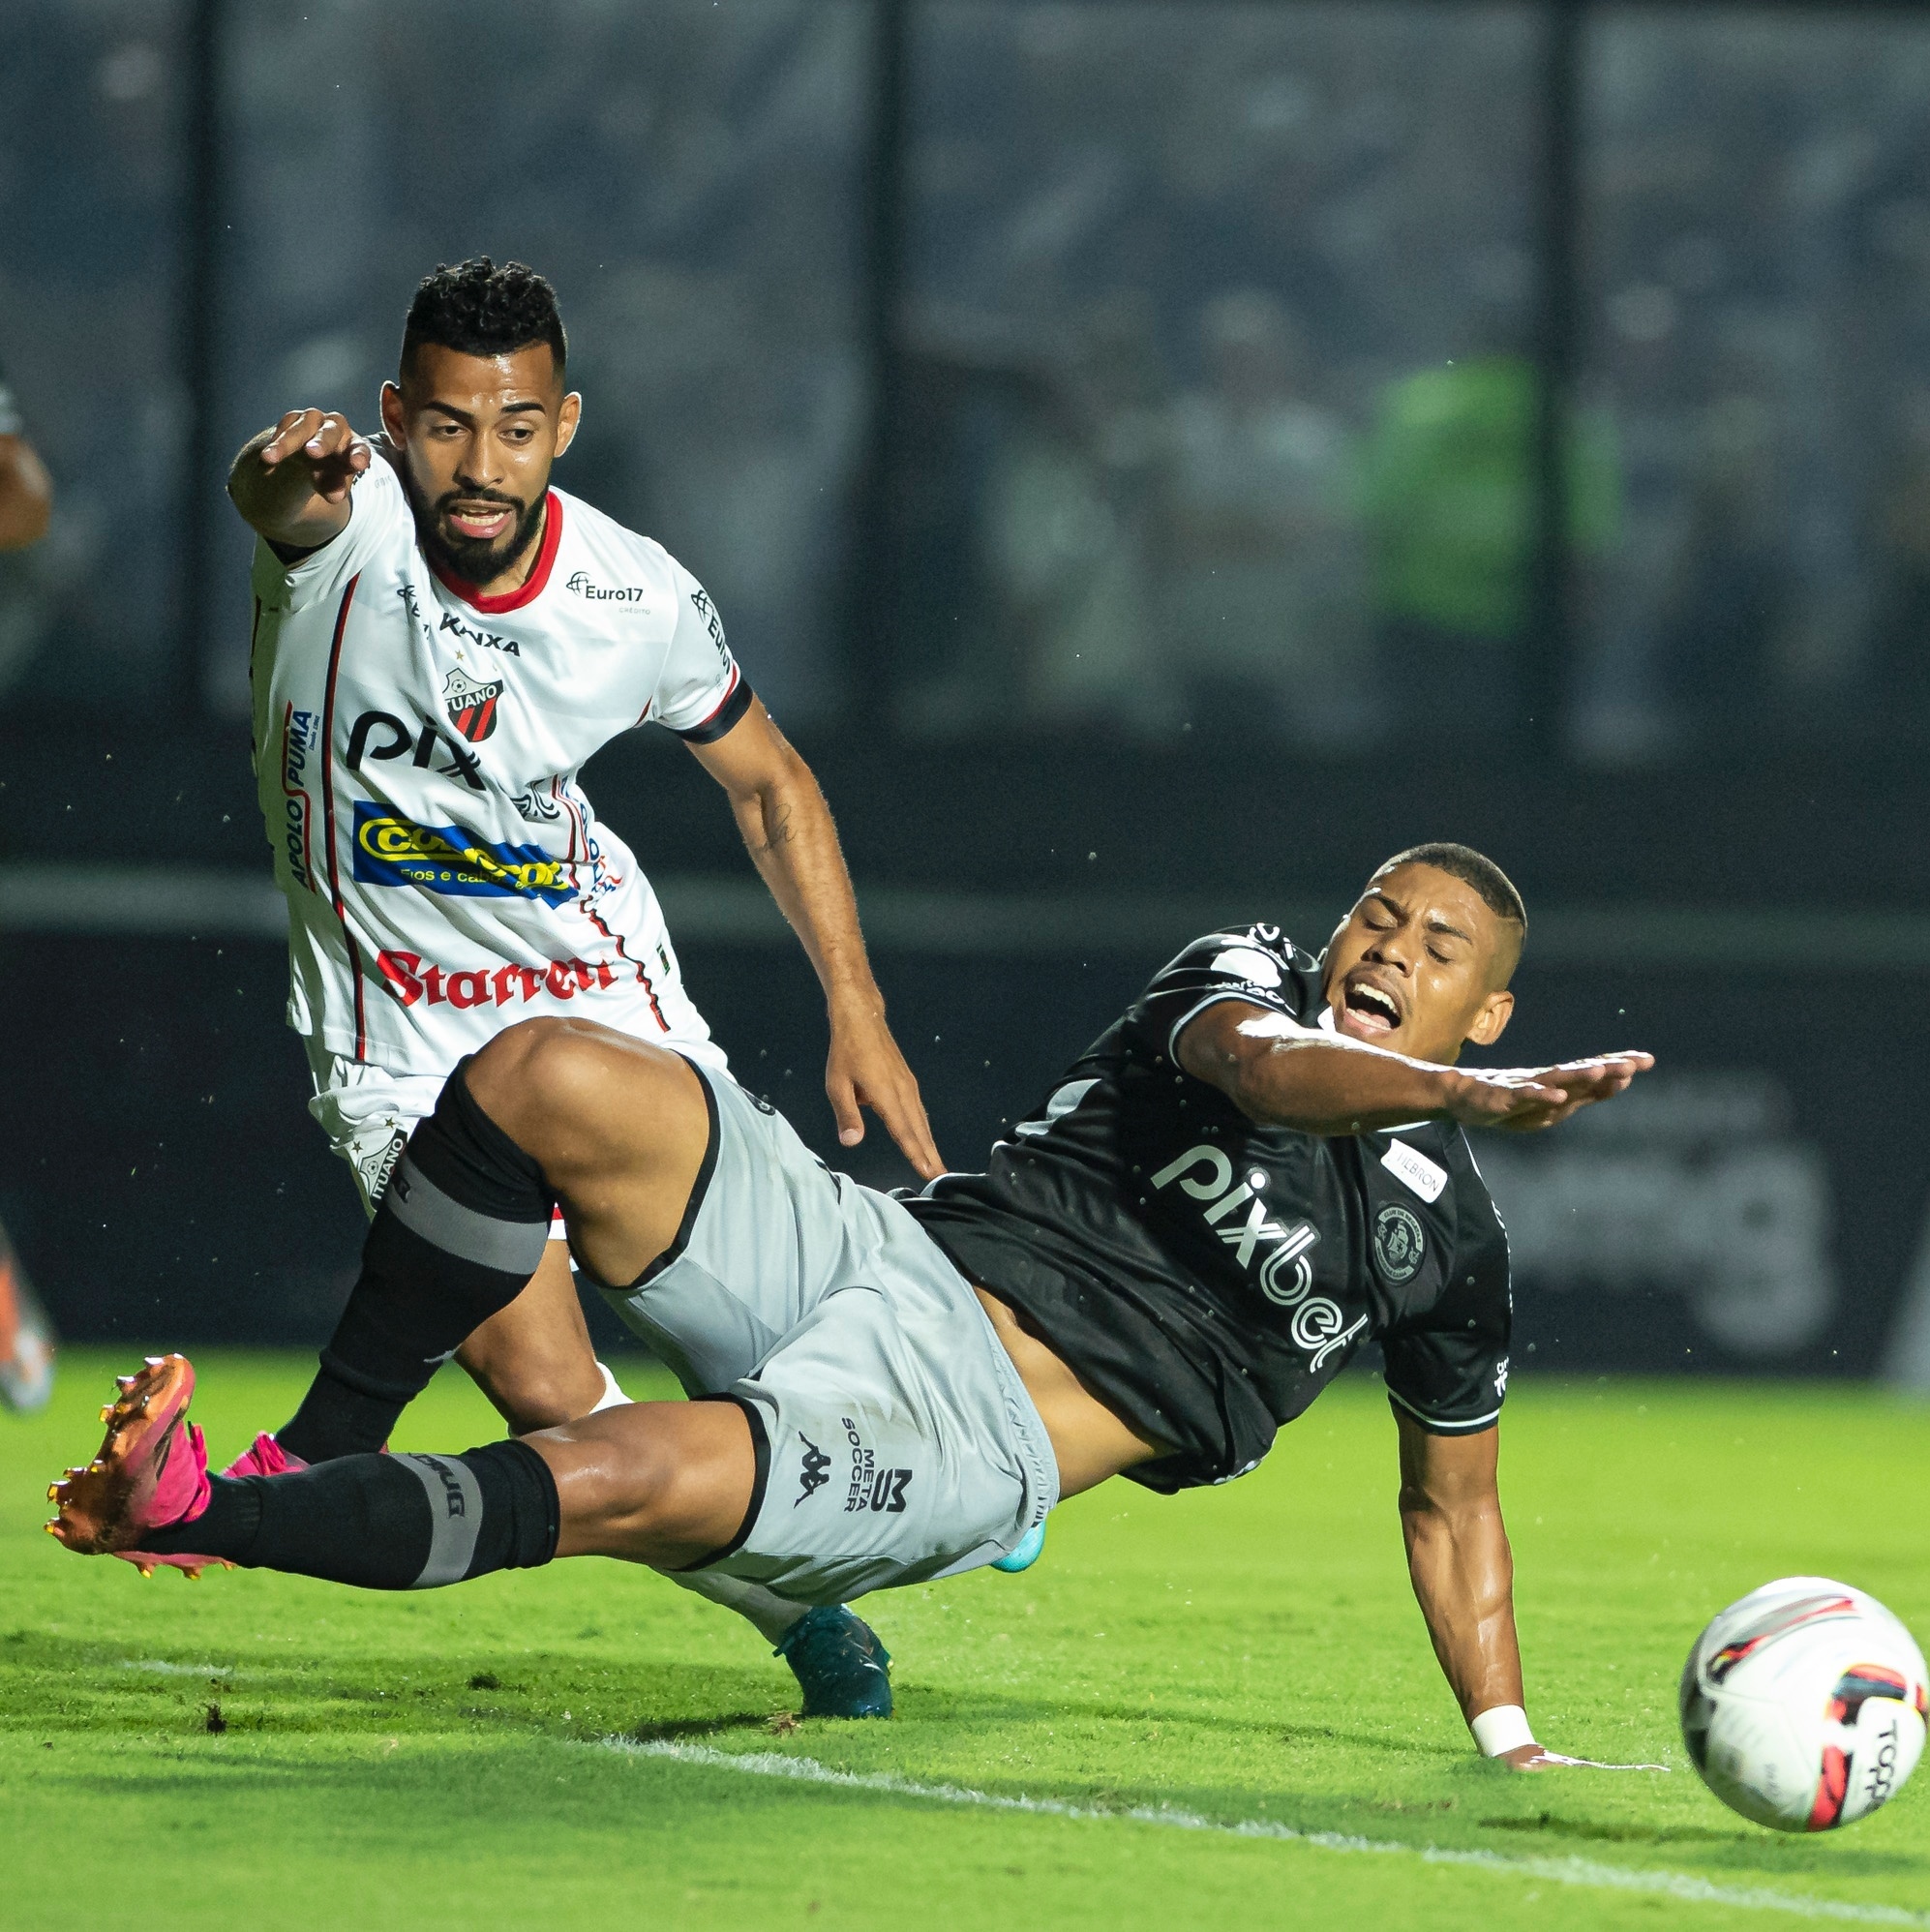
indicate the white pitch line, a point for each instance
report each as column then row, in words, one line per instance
column 1588, row 1873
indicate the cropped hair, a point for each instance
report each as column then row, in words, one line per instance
column 1462, row 862
column 478, row 309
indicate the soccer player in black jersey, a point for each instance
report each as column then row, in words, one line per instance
column 1258, row 1170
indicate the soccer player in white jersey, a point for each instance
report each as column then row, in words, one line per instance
column 440, row 642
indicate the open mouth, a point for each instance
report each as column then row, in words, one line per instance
column 1369, row 1012
column 480, row 523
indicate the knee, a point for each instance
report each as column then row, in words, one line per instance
column 534, row 1074
column 546, row 1398
column 582, row 1101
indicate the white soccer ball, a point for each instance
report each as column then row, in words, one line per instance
column 1804, row 1705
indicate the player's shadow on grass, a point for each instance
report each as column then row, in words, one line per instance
column 975, row 1707
column 672, row 1730
column 1546, row 1824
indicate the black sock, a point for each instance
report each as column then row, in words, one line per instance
column 386, row 1523
column 456, row 1240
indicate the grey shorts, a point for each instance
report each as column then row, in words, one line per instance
column 895, row 1441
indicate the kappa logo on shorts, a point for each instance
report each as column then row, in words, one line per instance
column 815, row 1474
column 872, row 1487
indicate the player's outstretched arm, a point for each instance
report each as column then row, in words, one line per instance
column 1286, row 1074
column 792, row 842
column 26, row 495
column 291, row 482
column 1464, row 1576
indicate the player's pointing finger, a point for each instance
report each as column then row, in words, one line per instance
column 290, row 433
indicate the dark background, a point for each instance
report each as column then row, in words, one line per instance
column 1154, row 459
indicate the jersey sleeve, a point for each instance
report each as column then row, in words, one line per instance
column 701, row 692
column 1255, row 963
column 376, row 508
column 1449, row 1368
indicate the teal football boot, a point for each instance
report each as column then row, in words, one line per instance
column 1025, row 1553
column 839, row 1663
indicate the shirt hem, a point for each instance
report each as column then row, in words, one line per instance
column 1443, row 1426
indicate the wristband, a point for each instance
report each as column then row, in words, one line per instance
column 1503, row 1728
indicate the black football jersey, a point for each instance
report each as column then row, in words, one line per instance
column 1206, row 1276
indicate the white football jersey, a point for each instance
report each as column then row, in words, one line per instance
column 416, row 747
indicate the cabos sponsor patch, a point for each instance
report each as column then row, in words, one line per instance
column 391, row 850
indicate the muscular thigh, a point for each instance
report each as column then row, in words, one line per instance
column 618, row 1128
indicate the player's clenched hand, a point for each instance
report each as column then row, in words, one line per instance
column 324, row 446
column 1527, row 1100
column 867, row 1070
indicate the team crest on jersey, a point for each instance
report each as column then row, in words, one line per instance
column 470, row 705
column 1398, row 1244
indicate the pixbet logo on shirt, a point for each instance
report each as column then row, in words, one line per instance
column 412, row 978
column 1285, row 1267
column 391, row 850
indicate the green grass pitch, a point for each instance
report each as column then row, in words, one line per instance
column 1178, row 1689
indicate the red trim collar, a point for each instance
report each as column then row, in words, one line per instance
column 538, row 579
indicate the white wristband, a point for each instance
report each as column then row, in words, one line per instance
column 1501, row 1730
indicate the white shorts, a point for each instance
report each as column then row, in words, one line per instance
column 368, row 1113
column 895, row 1441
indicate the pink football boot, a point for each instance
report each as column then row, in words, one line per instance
column 151, row 1472
column 263, row 1457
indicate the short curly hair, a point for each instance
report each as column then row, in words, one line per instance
column 478, row 309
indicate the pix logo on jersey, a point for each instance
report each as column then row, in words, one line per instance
column 391, row 850
column 401, row 739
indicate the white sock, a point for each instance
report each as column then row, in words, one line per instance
column 612, row 1396
column 771, row 1615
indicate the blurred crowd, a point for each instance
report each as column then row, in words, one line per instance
column 1224, row 331
column 1219, row 405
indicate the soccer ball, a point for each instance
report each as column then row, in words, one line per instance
column 1804, row 1705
